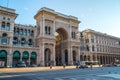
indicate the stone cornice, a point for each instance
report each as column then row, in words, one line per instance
column 57, row 14
column 101, row 34
column 8, row 11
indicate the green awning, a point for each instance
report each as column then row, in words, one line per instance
column 33, row 55
column 16, row 54
column 3, row 54
column 25, row 54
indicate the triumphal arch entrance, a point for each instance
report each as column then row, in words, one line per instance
column 56, row 38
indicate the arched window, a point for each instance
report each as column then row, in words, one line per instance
column 32, row 33
column 30, row 42
column 21, row 31
column 3, row 25
column 8, row 27
column 23, row 41
column 4, row 38
column 15, row 41
column 16, row 55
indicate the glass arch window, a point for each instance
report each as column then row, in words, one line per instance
column 4, row 38
column 33, row 55
column 8, row 27
column 3, row 54
column 16, row 54
column 25, row 54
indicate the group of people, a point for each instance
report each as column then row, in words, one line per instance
column 64, row 65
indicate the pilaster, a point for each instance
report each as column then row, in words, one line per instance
column 78, row 55
column 42, row 63
column 70, row 60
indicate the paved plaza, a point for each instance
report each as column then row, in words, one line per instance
column 101, row 73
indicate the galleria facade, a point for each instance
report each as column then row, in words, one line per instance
column 54, row 40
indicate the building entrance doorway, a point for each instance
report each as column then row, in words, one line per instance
column 61, row 36
column 47, row 57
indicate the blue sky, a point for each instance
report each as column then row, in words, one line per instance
column 99, row 15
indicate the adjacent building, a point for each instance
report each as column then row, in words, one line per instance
column 99, row 47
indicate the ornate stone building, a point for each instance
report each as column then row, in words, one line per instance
column 52, row 41
column 99, row 47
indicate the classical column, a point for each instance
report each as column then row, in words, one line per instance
column 29, row 59
column 21, row 57
column 9, row 60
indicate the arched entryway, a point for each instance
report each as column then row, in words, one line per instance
column 3, row 58
column 61, row 36
column 16, row 57
column 25, row 57
column 33, row 58
column 74, row 57
column 47, row 57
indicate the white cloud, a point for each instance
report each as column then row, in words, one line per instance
column 26, row 8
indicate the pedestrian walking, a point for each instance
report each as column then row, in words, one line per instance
column 91, row 66
column 50, row 66
column 64, row 66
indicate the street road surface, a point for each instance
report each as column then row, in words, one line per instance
column 102, row 73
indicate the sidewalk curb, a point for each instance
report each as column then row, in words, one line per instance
column 33, row 69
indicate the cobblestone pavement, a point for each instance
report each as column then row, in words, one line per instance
column 102, row 73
